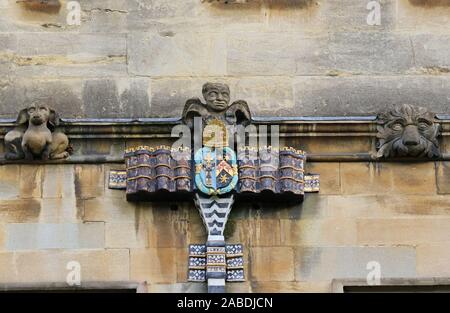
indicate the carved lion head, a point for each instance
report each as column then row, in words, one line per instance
column 408, row 131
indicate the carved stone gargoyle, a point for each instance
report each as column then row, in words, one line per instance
column 408, row 131
column 217, row 106
column 36, row 137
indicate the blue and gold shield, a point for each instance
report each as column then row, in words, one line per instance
column 215, row 170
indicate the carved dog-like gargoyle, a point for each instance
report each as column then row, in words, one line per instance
column 35, row 136
column 408, row 131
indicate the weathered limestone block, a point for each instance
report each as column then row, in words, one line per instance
column 9, row 182
column 339, row 53
column 182, row 264
column 197, row 231
column 327, row 263
column 416, row 205
column 87, row 55
column 31, row 177
column 433, row 260
column 443, row 177
column 170, row 233
column 168, row 228
column 254, row 54
column 332, row 144
column 403, row 230
column 104, row 16
column 122, row 97
column 371, row 52
column 61, row 210
column 308, row 15
column 81, row 98
column 268, row 96
column 423, row 15
column 178, row 16
column 16, row 16
column 430, row 53
column 107, row 6
column 312, row 207
column 160, row 9
column 354, row 206
column 240, row 287
column 271, row 264
column 364, row 95
column 50, row 266
column 388, row 178
column 300, row 16
column 96, row 16
column 255, row 232
column 351, row 15
column 59, row 182
column 109, row 210
column 82, row 46
column 154, row 265
column 319, row 232
column 290, row 287
column 177, row 288
column 62, row 95
column 176, row 54
column 89, row 181
column 8, row 44
column 2, row 237
column 126, row 235
column 20, row 211
column 383, row 206
column 26, row 236
column 330, row 183
column 54, row 68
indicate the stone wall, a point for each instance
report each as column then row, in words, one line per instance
column 139, row 58
column 136, row 58
column 392, row 213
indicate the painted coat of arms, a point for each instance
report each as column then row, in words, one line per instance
column 216, row 170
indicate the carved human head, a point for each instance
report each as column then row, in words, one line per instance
column 217, row 96
column 408, row 131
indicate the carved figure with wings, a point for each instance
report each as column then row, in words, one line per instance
column 216, row 106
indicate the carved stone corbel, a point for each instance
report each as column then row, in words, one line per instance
column 36, row 136
column 408, row 131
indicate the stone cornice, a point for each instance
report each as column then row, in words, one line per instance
column 161, row 127
column 316, row 129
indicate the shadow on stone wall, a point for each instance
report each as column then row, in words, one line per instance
column 430, row 3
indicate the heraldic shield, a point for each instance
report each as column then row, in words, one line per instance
column 215, row 170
